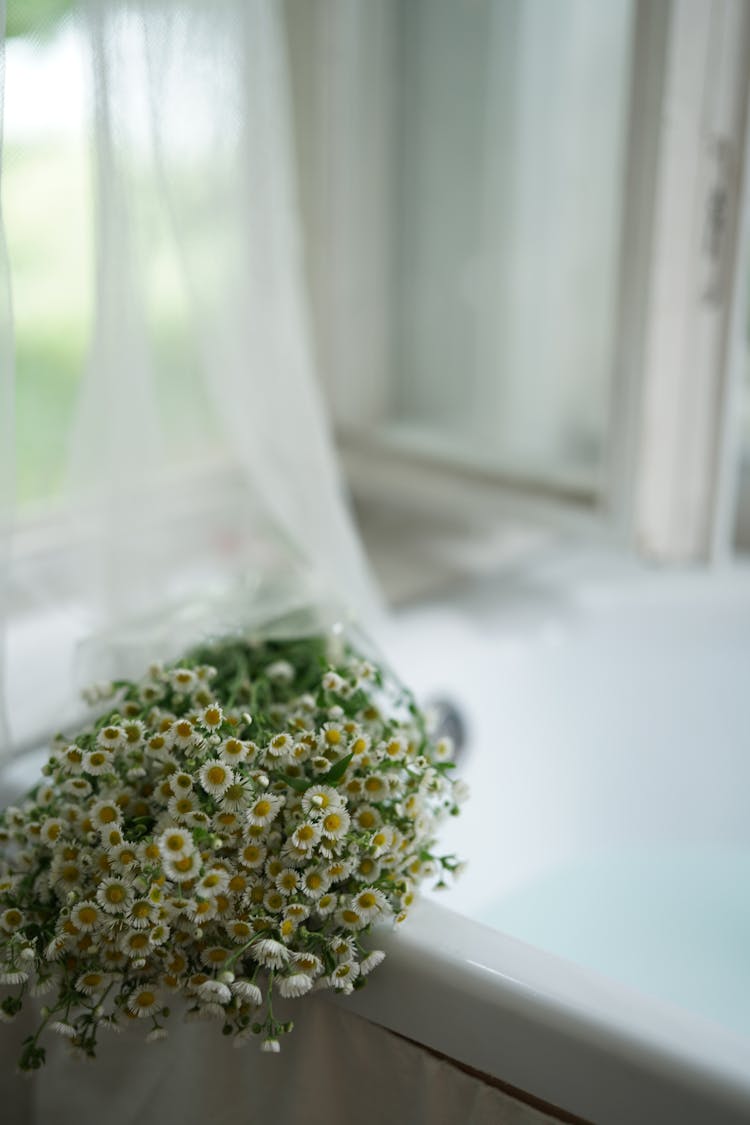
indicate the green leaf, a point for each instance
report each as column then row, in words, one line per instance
column 300, row 784
column 337, row 771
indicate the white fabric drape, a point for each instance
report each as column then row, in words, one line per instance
column 7, row 446
column 203, row 487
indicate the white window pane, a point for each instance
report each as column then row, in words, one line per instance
column 509, row 165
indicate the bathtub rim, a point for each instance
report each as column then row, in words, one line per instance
column 559, row 1032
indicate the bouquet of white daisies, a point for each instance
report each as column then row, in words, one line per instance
column 229, row 829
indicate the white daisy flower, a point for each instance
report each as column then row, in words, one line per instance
column 181, row 734
column 370, row 902
column 54, row 950
column 376, row 787
column 273, row 901
column 297, row 912
column 158, row 745
column 326, row 904
column 71, row 759
column 52, row 829
column 123, row 856
column 202, row 910
column 175, row 843
column 96, row 762
column 368, row 869
column 332, row 681
column 247, row 991
column 157, row 1034
column 62, row 1028
column 270, row 953
column 253, row 855
column 341, row 869
column 11, row 920
column 314, row 882
column 135, row 944
column 14, row 976
column 216, row 777
column 270, row 1046
column 281, row 671
column 227, row 823
column 460, row 791
column 371, row 961
column 367, row 817
column 92, row 982
column 239, row 930
column 280, row 747
column 143, row 1002
column 264, row 811
column 215, row 956
column 395, row 749
column 115, row 896
column 233, row 750
column 236, row 796
column 215, row 992
column 287, row 881
column 85, row 915
column 344, row 975
column 67, row 873
column 350, row 918
column 183, row 680
column 333, row 736
column 297, row 984
column 306, row 836
column 141, row 914
column 105, row 814
column 211, row 717
column 184, row 869
column 180, row 783
column 111, row 738
column 215, row 880
column 308, row 963
column 181, row 806
column 321, row 798
column 335, row 823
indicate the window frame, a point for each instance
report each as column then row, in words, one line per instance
column 668, row 490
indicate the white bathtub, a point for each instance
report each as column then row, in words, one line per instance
column 596, row 954
column 608, row 841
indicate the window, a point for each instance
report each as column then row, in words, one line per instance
column 523, row 227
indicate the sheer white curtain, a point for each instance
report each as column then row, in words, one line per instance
column 7, row 461
column 203, row 489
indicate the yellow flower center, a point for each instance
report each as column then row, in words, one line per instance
column 216, row 775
